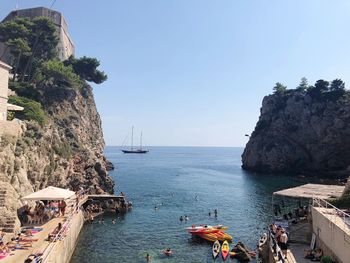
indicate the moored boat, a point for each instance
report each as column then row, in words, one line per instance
column 205, row 229
column 132, row 149
column 216, row 249
column 225, row 248
column 221, row 236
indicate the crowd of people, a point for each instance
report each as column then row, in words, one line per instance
column 42, row 211
column 280, row 236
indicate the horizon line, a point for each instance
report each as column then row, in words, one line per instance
column 198, row 146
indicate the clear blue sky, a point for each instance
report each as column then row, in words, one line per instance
column 194, row 72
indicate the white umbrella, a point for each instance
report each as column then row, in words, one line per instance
column 50, row 193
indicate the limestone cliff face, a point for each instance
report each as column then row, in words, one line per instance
column 66, row 152
column 299, row 134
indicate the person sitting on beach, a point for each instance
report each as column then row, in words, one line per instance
column 52, row 235
column 314, row 255
column 28, row 232
column 4, row 248
column 318, row 255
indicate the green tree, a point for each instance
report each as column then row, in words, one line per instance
column 303, row 85
column 336, row 89
column 86, row 68
column 321, row 86
column 29, row 42
column 18, row 47
column 43, row 42
column 279, row 88
column 56, row 73
column 337, row 85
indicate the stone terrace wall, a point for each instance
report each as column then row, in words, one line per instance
column 12, row 128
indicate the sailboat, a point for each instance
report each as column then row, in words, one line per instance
column 132, row 149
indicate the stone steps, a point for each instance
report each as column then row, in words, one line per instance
column 8, row 224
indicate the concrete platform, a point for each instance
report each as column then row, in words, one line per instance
column 18, row 256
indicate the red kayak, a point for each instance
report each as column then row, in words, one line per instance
column 225, row 248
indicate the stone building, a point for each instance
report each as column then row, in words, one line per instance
column 65, row 47
column 4, row 79
column 7, row 127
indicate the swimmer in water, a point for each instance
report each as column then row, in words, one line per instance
column 148, row 258
column 113, row 221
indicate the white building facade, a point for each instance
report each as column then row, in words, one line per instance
column 4, row 80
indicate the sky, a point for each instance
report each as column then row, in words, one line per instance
column 194, row 72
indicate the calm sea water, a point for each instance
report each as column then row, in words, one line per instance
column 180, row 181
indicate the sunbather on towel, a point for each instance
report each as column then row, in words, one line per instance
column 52, row 235
column 4, row 248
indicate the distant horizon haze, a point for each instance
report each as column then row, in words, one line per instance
column 194, row 72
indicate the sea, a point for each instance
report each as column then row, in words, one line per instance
column 179, row 181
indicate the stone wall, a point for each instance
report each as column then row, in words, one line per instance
column 4, row 79
column 330, row 237
column 65, row 47
column 12, row 128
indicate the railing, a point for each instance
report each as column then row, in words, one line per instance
column 317, row 202
column 60, row 234
column 275, row 248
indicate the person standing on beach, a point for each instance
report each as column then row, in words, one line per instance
column 62, row 207
column 283, row 242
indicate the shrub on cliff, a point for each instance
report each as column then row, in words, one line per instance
column 279, row 88
column 86, row 68
column 25, row 89
column 32, row 109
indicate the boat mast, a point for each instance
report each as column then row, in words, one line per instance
column 141, row 142
column 132, row 137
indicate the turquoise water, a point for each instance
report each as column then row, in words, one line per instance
column 179, row 181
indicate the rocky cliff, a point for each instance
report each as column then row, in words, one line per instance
column 66, row 152
column 300, row 133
